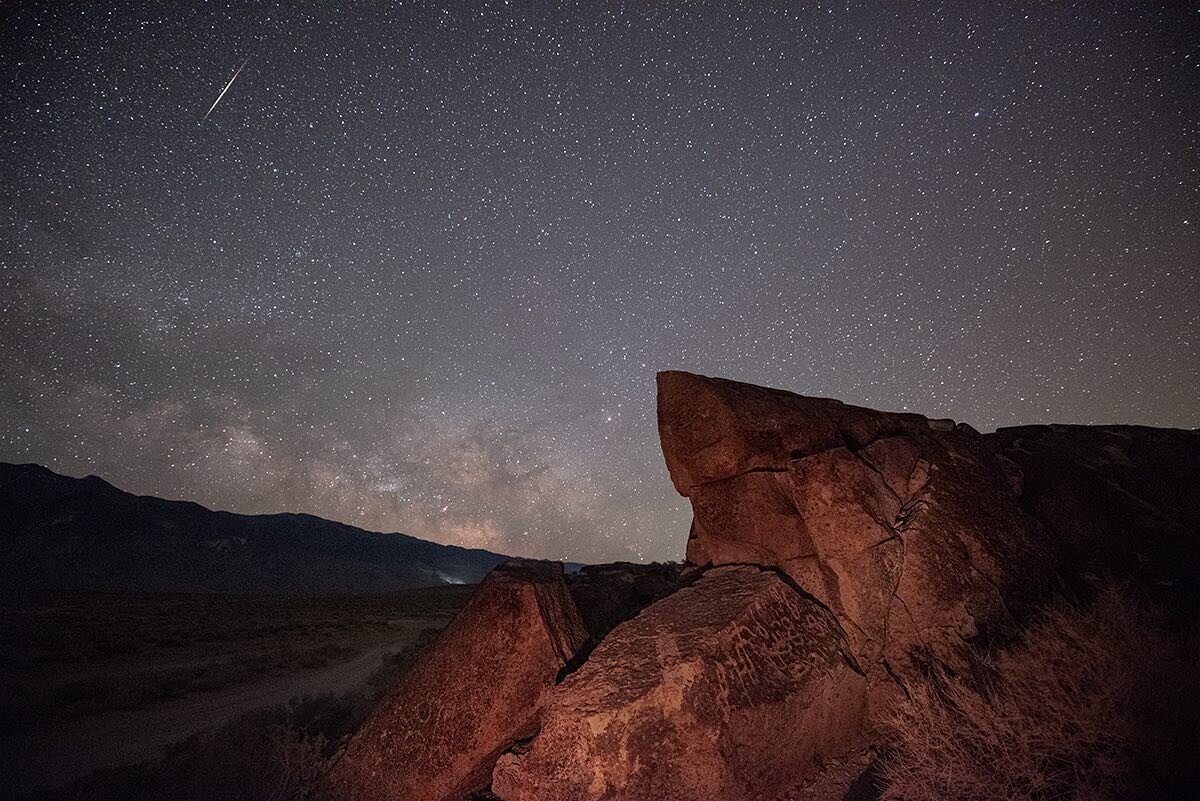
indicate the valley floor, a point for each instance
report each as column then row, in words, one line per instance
column 95, row 682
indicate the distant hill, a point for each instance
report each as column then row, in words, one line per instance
column 63, row 533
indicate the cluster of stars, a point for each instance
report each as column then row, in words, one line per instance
column 418, row 267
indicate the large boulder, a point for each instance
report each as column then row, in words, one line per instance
column 730, row 688
column 479, row 689
column 911, row 530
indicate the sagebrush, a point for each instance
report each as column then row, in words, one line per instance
column 1084, row 707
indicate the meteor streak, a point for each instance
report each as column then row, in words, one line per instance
column 223, row 91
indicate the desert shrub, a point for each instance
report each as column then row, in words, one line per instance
column 388, row 673
column 276, row 754
column 1080, row 708
column 272, row 762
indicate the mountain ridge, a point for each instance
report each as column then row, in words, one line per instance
column 58, row 532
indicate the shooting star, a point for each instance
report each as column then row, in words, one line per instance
column 223, row 91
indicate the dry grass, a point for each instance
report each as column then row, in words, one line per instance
column 273, row 754
column 81, row 654
column 1081, row 709
column 276, row 754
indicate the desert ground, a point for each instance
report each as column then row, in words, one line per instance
column 103, row 682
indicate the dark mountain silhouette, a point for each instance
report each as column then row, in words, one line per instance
column 62, row 533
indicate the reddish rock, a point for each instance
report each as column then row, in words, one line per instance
column 479, row 689
column 731, row 688
column 910, row 530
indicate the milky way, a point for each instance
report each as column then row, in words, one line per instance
column 417, row 270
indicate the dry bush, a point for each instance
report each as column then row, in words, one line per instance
column 276, row 754
column 1081, row 708
column 272, row 755
column 294, row 763
column 273, row 763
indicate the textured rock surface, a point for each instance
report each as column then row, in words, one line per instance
column 730, row 688
column 479, row 689
column 911, row 530
column 834, row 552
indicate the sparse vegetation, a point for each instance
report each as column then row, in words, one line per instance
column 275, row 754
column 60, row 670
column 70, row 656
column 1083, row 707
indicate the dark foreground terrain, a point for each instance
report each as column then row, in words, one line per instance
column 170, row 695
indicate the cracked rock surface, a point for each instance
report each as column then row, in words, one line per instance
column 911, row 531
column 730, row 688
column 835, row 553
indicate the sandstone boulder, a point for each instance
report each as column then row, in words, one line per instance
column 910, row 530
column 479, row 689
column 730, row 688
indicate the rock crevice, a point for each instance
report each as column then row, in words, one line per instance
column 687, row 698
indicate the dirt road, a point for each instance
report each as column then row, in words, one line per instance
column 72, row 750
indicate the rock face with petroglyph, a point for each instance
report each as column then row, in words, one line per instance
column 910, row 530
column 691, row 699
column 835, row 553
column 478, row 690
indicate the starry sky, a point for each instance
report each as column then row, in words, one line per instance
column 417, row 269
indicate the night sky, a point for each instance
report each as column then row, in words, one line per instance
column 418, row 267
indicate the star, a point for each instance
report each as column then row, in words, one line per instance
column 424, row 284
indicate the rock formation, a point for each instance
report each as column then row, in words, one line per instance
column 478, row 690
column 835, row 554
column 910, row 530
column 688, row 700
